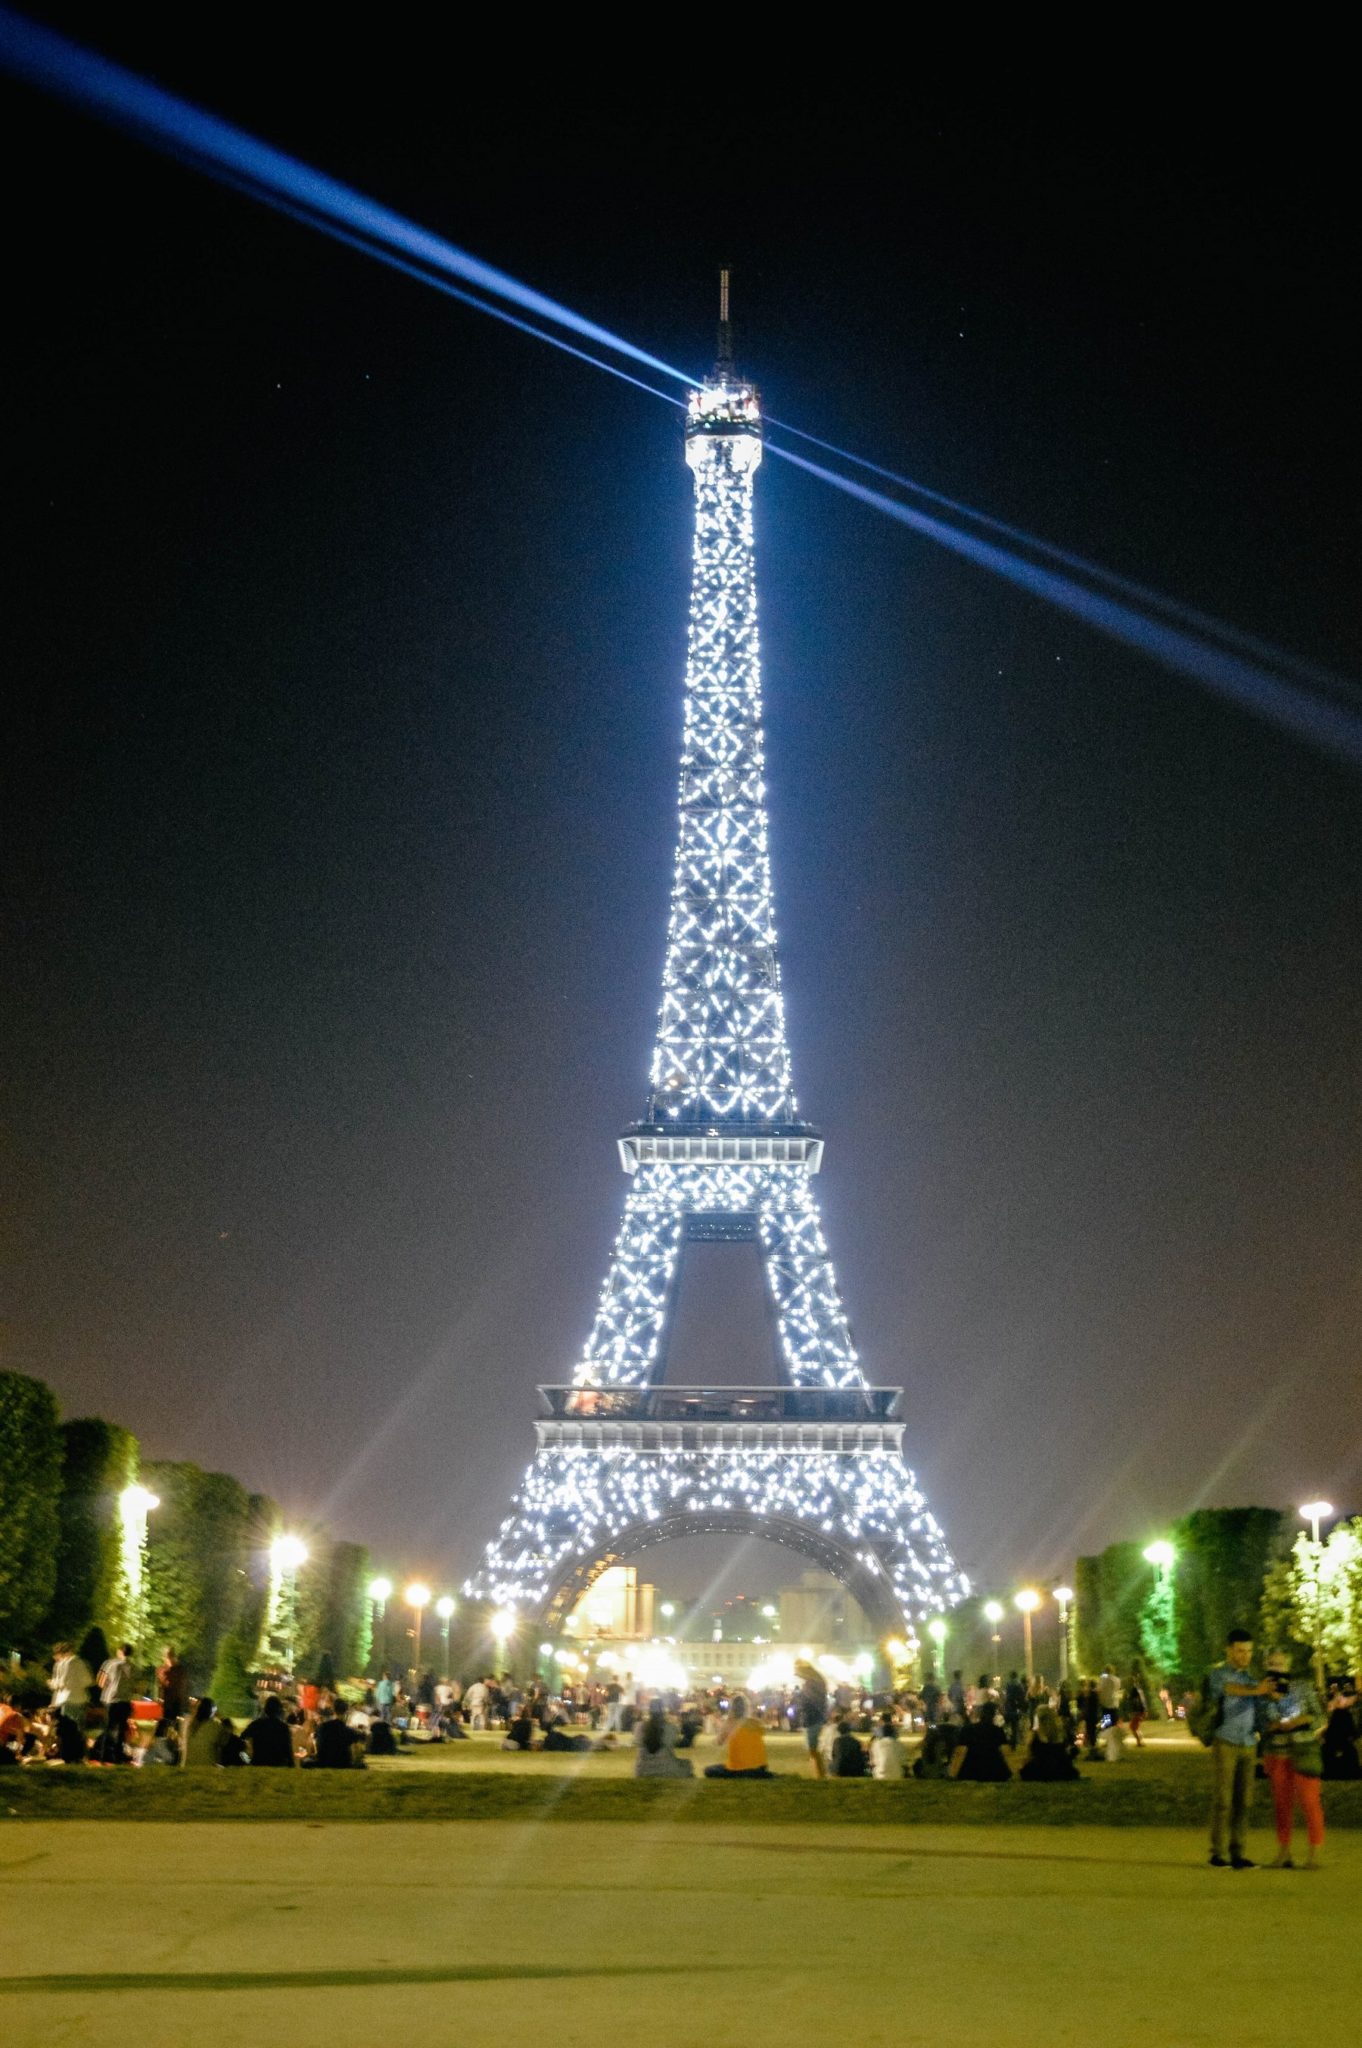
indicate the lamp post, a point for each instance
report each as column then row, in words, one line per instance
column 380, row 1593
column 503, row 1628
column 1026, row 1603
column 993, row 1614
column 287, row 1554
column 444, row 1607
column 1063, row 1598
column 417, row 1597
column 134, row 1505
column 936, row 1629
column 1314, row 1512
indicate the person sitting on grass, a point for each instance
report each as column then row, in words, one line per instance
column 267, row 1737
column 233, row 1745
column 333, row 1745
column 655, row 1739
column 848, row 1756
column 743, row 1743
column 886, row 1751
column 381, row 1740
column 203, row 1737
column 519, row 1730
column 979, row 1755
column 1048, row 1760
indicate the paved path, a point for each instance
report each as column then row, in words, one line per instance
column 555, row 1935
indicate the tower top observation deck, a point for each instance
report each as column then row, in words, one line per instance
column 726, row 409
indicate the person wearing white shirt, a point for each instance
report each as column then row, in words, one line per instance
column 116, row 1690
column 886, row 1751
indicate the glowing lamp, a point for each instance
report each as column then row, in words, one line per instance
column 993, row 1611
column 417, row 1595
column 288, row 1552
column 1027, row 1601
column 380, row 1589
column 503, row 1623
column 1162, row 1554
column 135, row 1501
column 1064, row 1594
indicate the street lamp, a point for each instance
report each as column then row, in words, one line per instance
column 287, row 1553
column 134, row 1505
column 380, row 1592
column 1161, row 1554
column 1026, row 1603
column 417, row 1598
column 444, row 1607
column 993, row 1614
column 936, row 1629
column 503, row 1628
column 1314, row 1512
column 1063, row 1598
column 667, row 1610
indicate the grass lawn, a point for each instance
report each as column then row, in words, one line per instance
column 573, row 1936
column 1163, row 1785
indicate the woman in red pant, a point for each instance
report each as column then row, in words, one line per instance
column 1292, row 1758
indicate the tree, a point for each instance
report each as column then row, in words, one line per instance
column 1313, row 1598
column 200, row 1561
column 233, row 1685
column 99, row 1460
column 1223, row 1555
column 30, row 1490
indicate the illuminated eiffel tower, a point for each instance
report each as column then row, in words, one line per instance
column 625, row 1459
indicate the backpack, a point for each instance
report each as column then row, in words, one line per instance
column 1204, row 1718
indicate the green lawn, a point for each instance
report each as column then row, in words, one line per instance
column 583, row 1934
column 1163, row 1785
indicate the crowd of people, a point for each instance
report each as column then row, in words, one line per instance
column 985, row 1732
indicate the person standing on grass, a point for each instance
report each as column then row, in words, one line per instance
column 1090, row 1712
column 931, row 1700
column 813, row 1712
column 172, row 1688
column 1014, row 1706
column 955, row 1693
column 1237, row 1694
column 1292, row 1758
column 117, row 1692
column 385, row 1693
column 1136, row 1702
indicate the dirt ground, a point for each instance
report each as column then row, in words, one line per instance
column 518, row 1933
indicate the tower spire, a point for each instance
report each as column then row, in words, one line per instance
column 724, row 368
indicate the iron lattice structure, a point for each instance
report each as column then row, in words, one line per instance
column 722, row 1152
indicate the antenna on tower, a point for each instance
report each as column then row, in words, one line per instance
column 724, row 367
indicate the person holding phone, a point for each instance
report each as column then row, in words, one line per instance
column 1292, row 1757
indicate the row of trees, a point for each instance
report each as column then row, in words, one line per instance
column 1230, row 1568
column 79, row 1549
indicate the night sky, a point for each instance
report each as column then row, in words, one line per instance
column 345, row 636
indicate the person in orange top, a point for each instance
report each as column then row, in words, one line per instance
column 744, row 1745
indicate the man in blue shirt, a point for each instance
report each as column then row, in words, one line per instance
column 1233, row 1752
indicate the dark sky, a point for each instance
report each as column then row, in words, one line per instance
column 346, row 633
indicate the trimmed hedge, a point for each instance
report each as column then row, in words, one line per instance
column 98, row 1460
column 30, row 1491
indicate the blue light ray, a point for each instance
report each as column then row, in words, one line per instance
column 1261, row 682
column 1247, row 684
column 211, row 144
column 1124, row 586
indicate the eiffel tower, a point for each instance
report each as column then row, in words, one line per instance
column 625, row 1459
